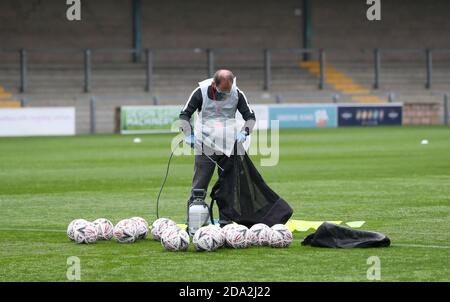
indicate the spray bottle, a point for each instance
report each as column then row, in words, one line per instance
column 198, row 211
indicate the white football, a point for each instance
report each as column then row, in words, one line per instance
column 85, row 232
column 259, row 234
column 218, row 233
column 125, row 231
column 238, row 237
column 207, row 239
column 104, row 228
column 280, row 236
column 142, row 227
column 175, row 239
column 226, row 229
column 160, row 225
column 70, row 232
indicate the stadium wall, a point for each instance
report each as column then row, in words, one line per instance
column 165, row 24
column 343, row 25
column 422, row 114
column 232, row 23
column 43, row 24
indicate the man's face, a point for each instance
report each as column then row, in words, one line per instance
column 224, row 87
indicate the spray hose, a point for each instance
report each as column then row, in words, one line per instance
column 165, row 179
column 167, row 173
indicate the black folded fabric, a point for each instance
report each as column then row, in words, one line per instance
column 336, row 236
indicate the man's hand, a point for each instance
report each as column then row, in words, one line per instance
column 241, row 137
column 190, row 139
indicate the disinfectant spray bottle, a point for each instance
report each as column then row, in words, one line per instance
column 198, row 211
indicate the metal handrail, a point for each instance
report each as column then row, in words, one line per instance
column 210, row 60
column 220, row 50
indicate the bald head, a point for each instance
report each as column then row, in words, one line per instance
column 223, row 79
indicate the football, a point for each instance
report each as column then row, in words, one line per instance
column 84, row 232
column 238, row 237
column 160, row 225
column 207, row 239
column 142, row 227
column 104, row 228
column 280, row 236
column 226, row 229
column 70, row 232
column 259, row 234
column 125, row 231
column 175, row 239
column 218, row 233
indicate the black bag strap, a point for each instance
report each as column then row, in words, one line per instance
column 211, row 205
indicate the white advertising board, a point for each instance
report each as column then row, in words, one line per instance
column 40, row 121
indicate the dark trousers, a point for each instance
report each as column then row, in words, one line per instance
column 204, row 170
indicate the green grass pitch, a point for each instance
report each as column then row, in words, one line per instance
column 381, row 175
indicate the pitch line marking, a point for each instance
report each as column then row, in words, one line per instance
column 32, row 230
column 422, row 245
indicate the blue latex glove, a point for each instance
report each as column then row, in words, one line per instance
column 190, row 139
column 241, row 137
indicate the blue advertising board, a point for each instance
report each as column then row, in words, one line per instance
column 370, row 115
column 304, row 116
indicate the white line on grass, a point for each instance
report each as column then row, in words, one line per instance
column 423, row 245
column 31, row 230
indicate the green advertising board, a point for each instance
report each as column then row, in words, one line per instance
column 149, row 119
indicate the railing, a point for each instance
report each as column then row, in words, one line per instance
column 211, row 55
column 428, row 58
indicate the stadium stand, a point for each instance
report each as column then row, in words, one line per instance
column 55, row 47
